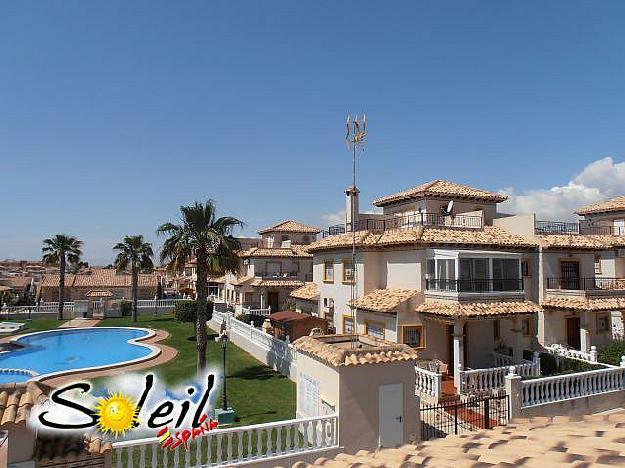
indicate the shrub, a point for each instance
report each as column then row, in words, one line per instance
column 256, row 320
column 612, row 353
column 186, row 311
column 548, row 364
column 123, row 305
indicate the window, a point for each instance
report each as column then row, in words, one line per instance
column 496, row 330
column 306, row 239
column 506, row 274
column 273, row 268
column 348, row 325
column 474, row 274
column 525, row 268
column 526, row 326
column 328, row 272
column 284, row 237
column 412, row 335
column 597, row 264
column 603, row 323
column 348, row 271
column 374, row 329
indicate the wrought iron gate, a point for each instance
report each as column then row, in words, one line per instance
column 457, row 417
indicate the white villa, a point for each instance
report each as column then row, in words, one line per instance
column 269, row 271
column 443, row 271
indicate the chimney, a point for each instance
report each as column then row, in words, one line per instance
column 351, row 200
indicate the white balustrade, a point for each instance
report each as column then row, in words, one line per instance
column 501, row 360
column 158, row 303
column 563, row 351
column 236, row 445
column 42, row 308
column 428, row 384
column 564, row 387
column 256, row 311
column 482, row 380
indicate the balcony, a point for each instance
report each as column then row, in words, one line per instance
column 585, row 287
column 468, row 290
column 474, row 285
column 381, row 224
column 584, row 228
column 293, row 275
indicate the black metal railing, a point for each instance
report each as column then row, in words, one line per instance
column 457, row 417
column 585, row 284
column 380, row 224
column 558, row 227
column 474, row 285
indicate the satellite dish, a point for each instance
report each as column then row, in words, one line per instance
column 450, row 206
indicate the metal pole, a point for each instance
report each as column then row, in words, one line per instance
column 353, row 214
column 225, row 397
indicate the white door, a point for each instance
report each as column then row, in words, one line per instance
column 619, row 227
column 391, row 415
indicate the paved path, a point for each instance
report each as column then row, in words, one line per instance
column 80, row 322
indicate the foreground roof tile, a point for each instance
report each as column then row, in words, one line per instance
column 384, row 300
column 308, row 292
column 612, row 303
column 291, row 226
column 614, row 204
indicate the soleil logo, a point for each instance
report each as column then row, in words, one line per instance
column 117, row 413
column 171, row 441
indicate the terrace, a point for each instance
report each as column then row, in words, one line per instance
column 381, row 223
column 587, row 288
column 583, row 228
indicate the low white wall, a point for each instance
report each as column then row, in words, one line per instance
column 584, row 405
column 265, row 354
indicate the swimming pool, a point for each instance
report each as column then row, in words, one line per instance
column 60, row 351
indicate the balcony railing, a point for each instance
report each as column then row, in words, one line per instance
column 474, row 285
column 276, row 275
column 379, row 224
column 585, row 284
column 558, row 227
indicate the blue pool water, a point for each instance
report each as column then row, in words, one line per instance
column 62, row 350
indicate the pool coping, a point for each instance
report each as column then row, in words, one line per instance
column 155, row 352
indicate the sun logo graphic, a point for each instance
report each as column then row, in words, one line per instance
column 116, row 414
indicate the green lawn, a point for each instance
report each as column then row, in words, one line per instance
column 256, row 392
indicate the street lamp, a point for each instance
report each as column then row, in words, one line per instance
column 223, row 340
column 225, row 414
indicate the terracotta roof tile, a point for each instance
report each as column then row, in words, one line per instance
column 291, row 226
column 277, row 283
column 572, row 241
column 612, row 303
column 308, row 292
column 419, row 236
column 477, row 309
column 17, row 401
column 441, row 188
column 384, row 300
column 614, row 204
column 335, row 350
column 100, row 278
column 71, row 449
column 241, row 280
column 299, row 251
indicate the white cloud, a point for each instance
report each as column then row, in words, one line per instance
column 334, row 218
column 599, row 180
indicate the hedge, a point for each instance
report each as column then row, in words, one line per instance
column 612, row 353
column 186, row 311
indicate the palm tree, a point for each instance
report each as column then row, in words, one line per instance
column 59, row 250
column 208, row 239
column 137, row 254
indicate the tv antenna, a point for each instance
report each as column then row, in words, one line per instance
column 356, row 133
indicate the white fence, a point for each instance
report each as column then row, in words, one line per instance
column 158, row 303
column 483, row 380
column 256, row 311
column 565, row 387
column 280, row 355
column 41, row 308
column 245, row 444
column 563, row 351
column 428, row 384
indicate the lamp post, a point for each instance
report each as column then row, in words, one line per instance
column 223, row 340
column 225, row 414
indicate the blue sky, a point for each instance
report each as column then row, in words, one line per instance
column 113, row 114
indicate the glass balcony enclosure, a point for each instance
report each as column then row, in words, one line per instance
column 473, row 272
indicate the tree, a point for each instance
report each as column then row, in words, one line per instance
column 207, row 239
column 136, row 254
column 59, row 250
